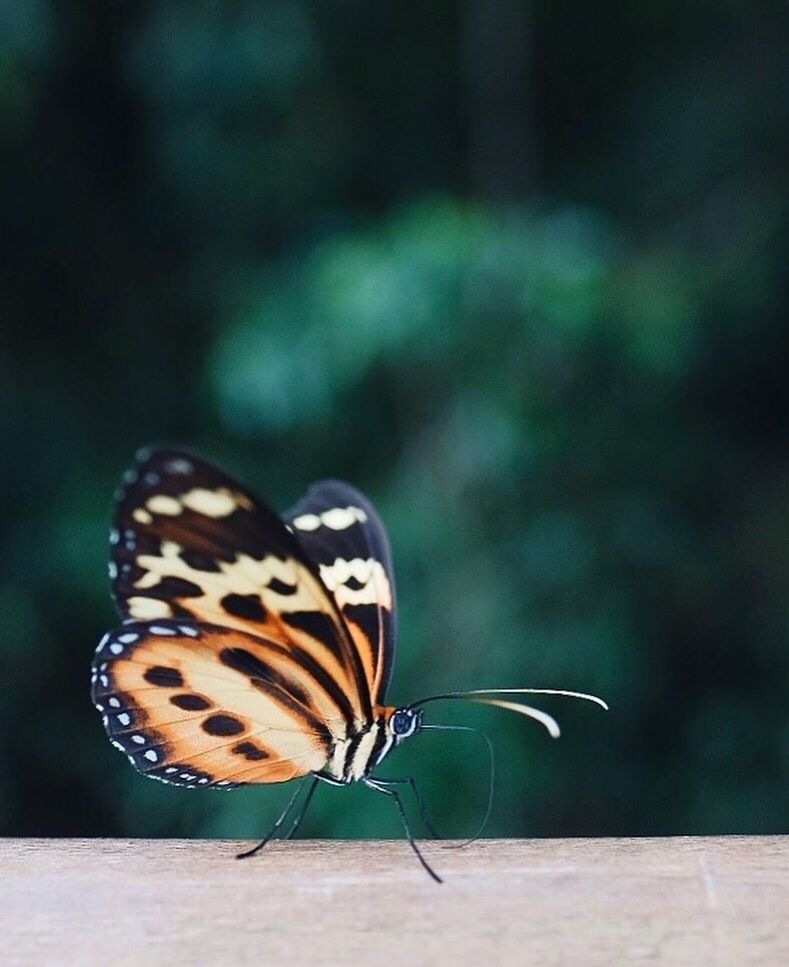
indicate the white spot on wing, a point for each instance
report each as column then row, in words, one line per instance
column 337, row 519
column 178, row 465
column 145, row 609
column 367, row 572
column 165, row 505
column 142, row 516
column 211, row 503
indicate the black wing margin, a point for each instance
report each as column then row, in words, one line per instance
column 343, row 535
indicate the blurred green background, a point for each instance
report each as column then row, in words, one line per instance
column 515, row 269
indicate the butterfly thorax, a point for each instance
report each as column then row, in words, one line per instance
column 355, row 757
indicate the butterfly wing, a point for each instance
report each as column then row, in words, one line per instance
column 191, row 543
column 200, row 705
column 342, row 533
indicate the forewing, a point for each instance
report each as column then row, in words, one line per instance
column 189, row 542
column 342, row 533
column 199, row 705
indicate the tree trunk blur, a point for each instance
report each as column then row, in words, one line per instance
column 502, row 145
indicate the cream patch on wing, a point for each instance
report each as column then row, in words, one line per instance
column 369, row 576
column 336, row 519
column 245, row 573
column 213, row 503
column 218, row 503
column 300, row 591
column 145, row 609
column 162, row 504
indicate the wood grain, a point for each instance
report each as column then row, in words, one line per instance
column 615, row 901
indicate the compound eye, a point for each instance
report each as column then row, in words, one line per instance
column 402, row 723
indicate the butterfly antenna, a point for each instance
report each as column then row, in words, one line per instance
column 491, row 759
column 483, row 696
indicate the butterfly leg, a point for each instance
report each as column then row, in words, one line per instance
column 417, row 795
column 303, row 810
column 276, row 826
column 373, row 784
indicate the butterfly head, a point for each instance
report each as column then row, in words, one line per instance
column 404, row 722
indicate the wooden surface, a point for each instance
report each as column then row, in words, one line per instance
column 581, row 902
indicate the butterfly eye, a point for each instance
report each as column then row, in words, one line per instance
column 403, row 723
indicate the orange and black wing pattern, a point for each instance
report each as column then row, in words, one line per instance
column 190, row 542
column 198, row 705
column 343, row 535
column 235, row 662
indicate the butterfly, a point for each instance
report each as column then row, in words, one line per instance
column 256, row 648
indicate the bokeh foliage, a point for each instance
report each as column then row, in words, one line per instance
column 542, row 322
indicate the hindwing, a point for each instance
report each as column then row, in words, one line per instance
column 199, row 705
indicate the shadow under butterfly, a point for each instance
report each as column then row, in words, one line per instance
column 256, row 648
